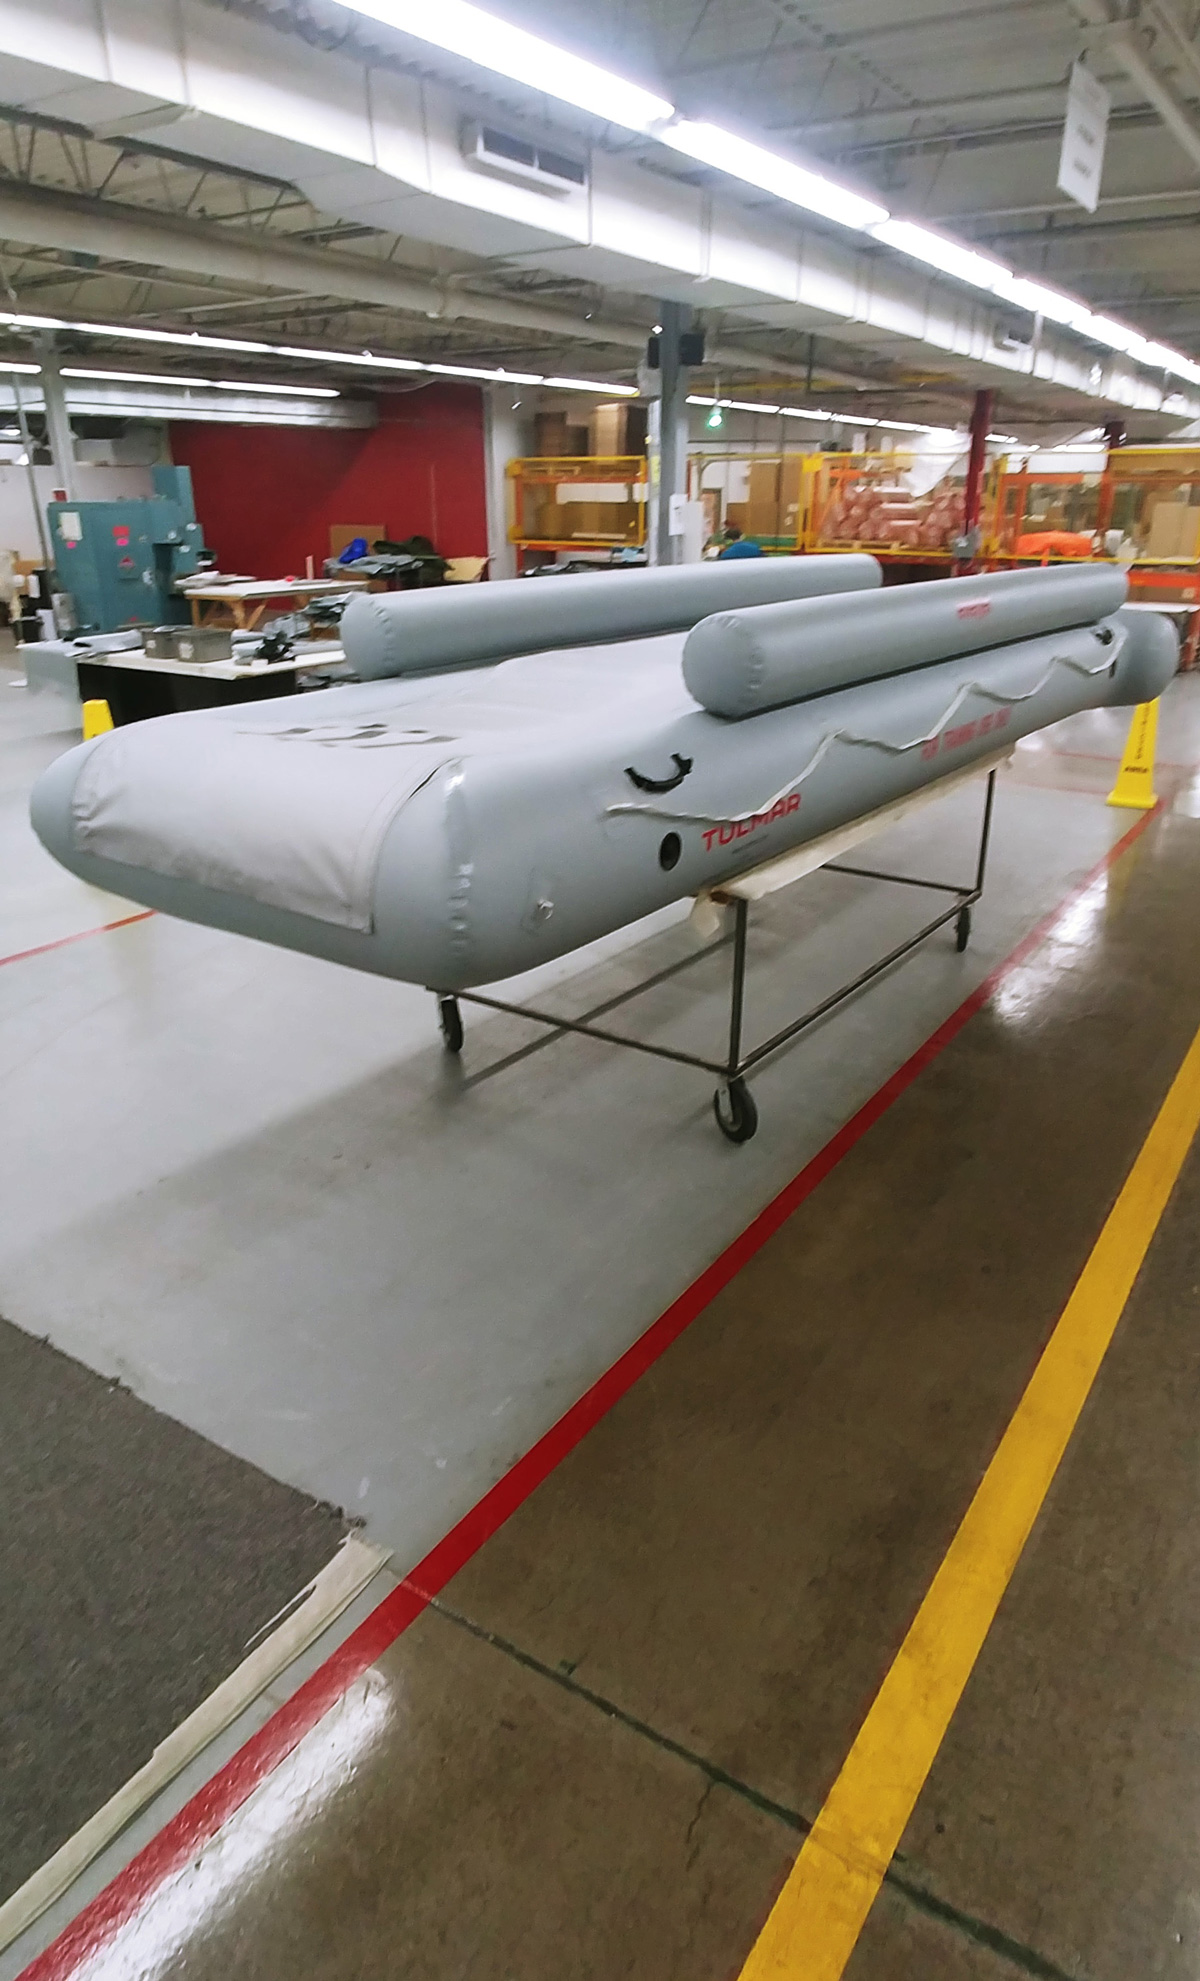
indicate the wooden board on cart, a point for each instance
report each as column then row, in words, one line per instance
column 247, row 602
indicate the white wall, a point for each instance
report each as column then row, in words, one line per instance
column 18, row 530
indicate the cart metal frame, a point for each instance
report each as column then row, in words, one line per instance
column 733, row 1104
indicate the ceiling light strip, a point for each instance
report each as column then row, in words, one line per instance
column 194, row 340
column 481, row 38
column 821, row 414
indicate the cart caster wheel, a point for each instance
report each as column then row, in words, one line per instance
column 962, row 930
column 450, row 1020
column 738, row 1118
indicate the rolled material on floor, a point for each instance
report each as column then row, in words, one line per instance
column 741, row 661
column 388, row 633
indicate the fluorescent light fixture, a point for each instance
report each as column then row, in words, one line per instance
column 734, row 405
column 200, row 384
column 919, row 426
column 32, row 322
column 1161, row 355
column 823, row 414
column 292, row 391
column 936, row 251
column 191, row 340
column 467, row 31
column 313, row 353
column 589, row 385
column 1118, row 336
column 371, row 360
column 476, row 371
column 725, row 152
column 132, row 377
column 1041, row 301
column 11, row 364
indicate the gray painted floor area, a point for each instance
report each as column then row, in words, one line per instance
column 250, row 1184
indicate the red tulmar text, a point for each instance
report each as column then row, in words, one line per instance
column 966, row 732
column 724, row 835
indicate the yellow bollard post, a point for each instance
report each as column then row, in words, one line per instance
column 97, row 717
column 1134, row 787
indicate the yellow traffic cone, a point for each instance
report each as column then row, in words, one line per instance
column 1134, row 787
column 97, row 717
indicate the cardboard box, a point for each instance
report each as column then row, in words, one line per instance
column 1174, row 530
column 617, row 429
column 554, row 436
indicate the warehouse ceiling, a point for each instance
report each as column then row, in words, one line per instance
column 952, row 114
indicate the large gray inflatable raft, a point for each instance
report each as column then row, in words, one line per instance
column 454, row 831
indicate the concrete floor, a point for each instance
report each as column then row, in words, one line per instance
column 249, row 1184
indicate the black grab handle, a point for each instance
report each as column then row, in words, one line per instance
column 682, row 767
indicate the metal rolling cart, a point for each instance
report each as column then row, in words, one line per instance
column 733, row 1103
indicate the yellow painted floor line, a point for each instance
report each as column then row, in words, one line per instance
column 815, row 1923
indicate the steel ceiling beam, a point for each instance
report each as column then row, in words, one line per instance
column 828, row 127
column 1132, row 51
column 836, row 43
column 44, row 217
column 1166, row 14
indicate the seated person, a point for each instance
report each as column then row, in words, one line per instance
column 736, row 545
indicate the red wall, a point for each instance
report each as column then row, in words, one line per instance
column 266, row 495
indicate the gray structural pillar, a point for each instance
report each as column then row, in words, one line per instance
column 58, row 425
column 502, row 443
column 35, row 500
column 667, row 546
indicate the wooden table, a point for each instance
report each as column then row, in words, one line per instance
column 248, row 599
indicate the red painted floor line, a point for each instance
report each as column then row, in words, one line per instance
column 1096, row 757
column 61, row 941
column 200, row 1819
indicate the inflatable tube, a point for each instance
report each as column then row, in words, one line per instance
column 739, row 662
column 387, row 633
column 461, row 831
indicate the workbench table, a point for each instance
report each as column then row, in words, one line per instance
column 248, row 599
column 136, row 686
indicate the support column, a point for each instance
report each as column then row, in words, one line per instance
column 981, row 421
column 667, row 548
column 35, row 503
column 501, row 444
column 58, row 424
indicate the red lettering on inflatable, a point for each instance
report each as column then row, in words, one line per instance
column 742, row 828
column 974, row 608
column 966, row 732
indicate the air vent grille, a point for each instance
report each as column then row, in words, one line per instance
column 524, row 159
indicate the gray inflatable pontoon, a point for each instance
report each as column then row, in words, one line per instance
column 455, row 830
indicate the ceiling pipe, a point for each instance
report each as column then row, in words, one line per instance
column 44, row 217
